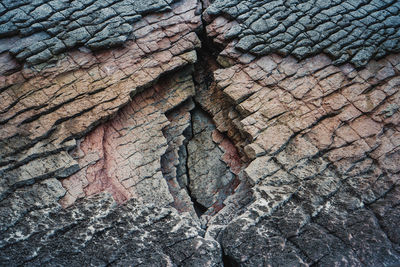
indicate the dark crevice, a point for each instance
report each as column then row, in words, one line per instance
column 207, row 44
column 198, row 208
column 202, row 76
column 228, row 261
column 203, row 70
column 205, row 129
column 207, row 94
column 177, row 154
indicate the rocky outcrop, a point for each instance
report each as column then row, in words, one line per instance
column 323, row 143
column 324, row 150
column 97, row 232
column 188, row 133
column 348, row 31
column 43, row 113
column 40, row 31
column 123, row 155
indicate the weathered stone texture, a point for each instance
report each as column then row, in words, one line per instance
column 45, row 108
column 43, row 112
column 123, row 155
column 174, row 161
column 213, row 164
column 97, row 232
column 349, row 31
column 38, row 31
column 123, row 142
column 323, row 144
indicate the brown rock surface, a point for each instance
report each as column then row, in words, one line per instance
column 189, row 133
column 64, row 101
column 122, row 156
column 322, row 144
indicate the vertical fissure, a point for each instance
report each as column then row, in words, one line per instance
column 228, row 261
column 201, row 165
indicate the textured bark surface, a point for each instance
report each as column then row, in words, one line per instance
column 189, row 133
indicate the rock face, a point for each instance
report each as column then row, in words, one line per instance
column 213, row 163
column 348, row 31
column 42, row 30
column 324, row 156
column 323, row 144
column 98, row 233
column 188, row 133
column 122, row 156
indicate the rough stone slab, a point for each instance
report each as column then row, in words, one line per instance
column 98, row 232
column 123, row 155
column 99, row 164
column 322, row 155
column 353, row 32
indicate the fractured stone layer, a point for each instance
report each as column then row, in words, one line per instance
column 323, row 144
column 39, row 31
column 97, row 232
column 123, row 155
column 213, row 164
column 276, row 143
column 355, row 31
column 44, row 112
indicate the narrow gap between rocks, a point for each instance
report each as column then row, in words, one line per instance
column 198, row 208
column 228, row 261
column 198, row 162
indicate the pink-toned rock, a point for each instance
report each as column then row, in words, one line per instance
column 87, row 87
column 123, row 155
column 365, row 126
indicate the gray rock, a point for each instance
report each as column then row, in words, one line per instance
column 321, row 20
column 208, row 174
column 99, row 232
column 59, row 19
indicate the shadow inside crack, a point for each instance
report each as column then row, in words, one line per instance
column 200, row 165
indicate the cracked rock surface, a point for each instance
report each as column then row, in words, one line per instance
column 38, row 31
column 323, row 144
column 199, row 133
column 353, row 31
column 213, row 163
column 97, row 232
